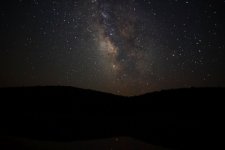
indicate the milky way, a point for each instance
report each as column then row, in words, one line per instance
column 125, row 47
column 119, row 41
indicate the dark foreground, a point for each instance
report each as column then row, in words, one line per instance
column 176, row 119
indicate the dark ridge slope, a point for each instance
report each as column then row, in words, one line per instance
column 183, row 118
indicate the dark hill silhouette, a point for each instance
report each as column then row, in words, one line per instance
column 182, row 118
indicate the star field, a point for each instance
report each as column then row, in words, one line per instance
column 125, row 47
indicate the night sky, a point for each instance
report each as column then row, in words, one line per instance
column 125, row 47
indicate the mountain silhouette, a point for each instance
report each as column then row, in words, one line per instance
column 179, row 118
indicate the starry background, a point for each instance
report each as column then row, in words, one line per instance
column 125, row 47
